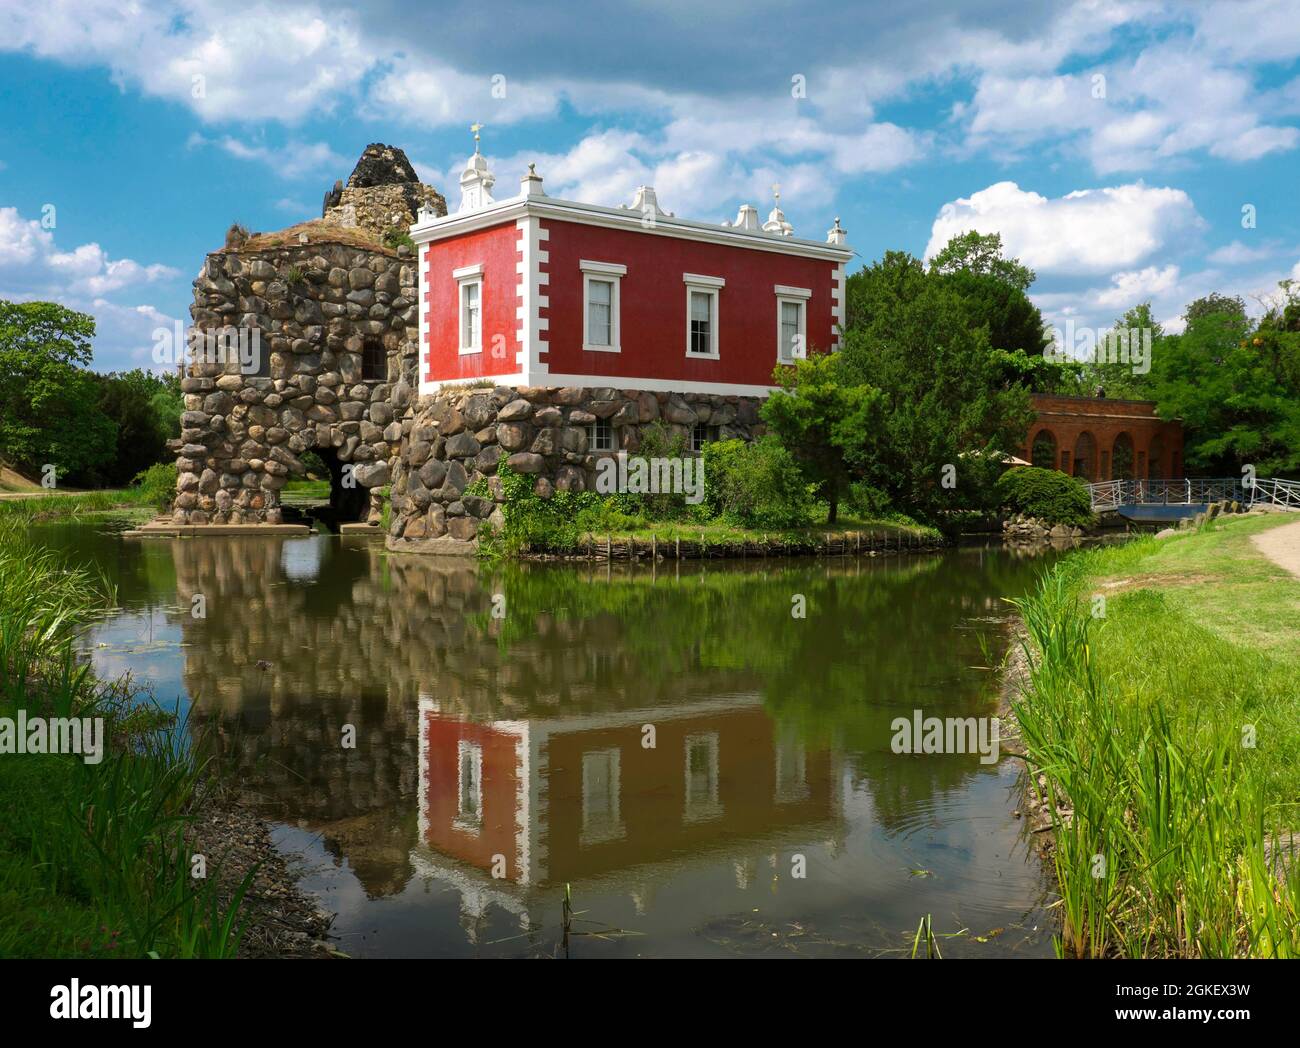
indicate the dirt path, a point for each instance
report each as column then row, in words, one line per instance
column 1282, row 546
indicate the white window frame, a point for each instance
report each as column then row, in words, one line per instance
column 600, row 832
column 465, row 277
column 608, row 273
column 701, row 430
column 711, row 286
column 463, row 821
column 702, row 809
column 591, row 437
column 795, row 296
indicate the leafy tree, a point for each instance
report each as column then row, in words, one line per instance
column 827, row 421
column 49, row 411
column 946, row 398
column 1236, row 388
column 980, row 254
column 1215, row 303
column 146, row 410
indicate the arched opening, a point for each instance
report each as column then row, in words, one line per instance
column 1043, row 453
column 1085, row 457
column 1122, row 458
column 1156, row 458
column 349, row 501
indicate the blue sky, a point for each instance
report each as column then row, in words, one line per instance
column 1113, row 144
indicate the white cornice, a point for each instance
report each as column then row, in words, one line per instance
column 621, row 218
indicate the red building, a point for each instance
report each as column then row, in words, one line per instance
column 538, row 291
column 1099, row 439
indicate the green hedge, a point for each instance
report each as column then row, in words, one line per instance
column 1047, row 494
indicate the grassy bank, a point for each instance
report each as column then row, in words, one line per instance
column 95, row 858
column 1162, row 720
column 35, row 508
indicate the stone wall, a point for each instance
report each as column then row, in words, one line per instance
column 383, row 194
column 313, row 308
column 455, row 437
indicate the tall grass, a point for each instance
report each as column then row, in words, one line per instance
column 95, row 859
column 1165, row 842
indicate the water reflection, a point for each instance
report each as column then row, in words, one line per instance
column 670, row 742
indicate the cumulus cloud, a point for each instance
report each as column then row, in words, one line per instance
column 33, row 268
column 291, row 160
column 1088, row 231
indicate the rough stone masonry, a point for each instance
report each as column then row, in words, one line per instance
column 332, row 305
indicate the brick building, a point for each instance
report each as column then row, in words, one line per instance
column 1099, row 439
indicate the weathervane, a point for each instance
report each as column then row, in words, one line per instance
column 776, row 193
column 476, row 128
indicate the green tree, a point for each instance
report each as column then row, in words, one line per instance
column 1236, row 387
column 828, row 424
column 980, row 254
column 947, row 401
column 49, row 412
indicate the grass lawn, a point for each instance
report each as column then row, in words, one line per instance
column 721, row 534
column 1166, row 722
column 32, row 508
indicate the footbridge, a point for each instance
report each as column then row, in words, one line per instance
column 1161, row 500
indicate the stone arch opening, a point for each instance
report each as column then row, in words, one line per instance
column 1085, row 457
column 349, row 501
column 1122, row 458
column 1043, row 452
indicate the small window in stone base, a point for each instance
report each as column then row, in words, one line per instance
column 600, row 435
column 701, row 435
column 374, row 361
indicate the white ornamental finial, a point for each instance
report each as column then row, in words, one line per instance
column 476, row 181
column 776, row 222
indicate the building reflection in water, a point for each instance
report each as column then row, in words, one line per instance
column 507, row 757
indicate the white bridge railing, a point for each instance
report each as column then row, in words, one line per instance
column 1193, row 491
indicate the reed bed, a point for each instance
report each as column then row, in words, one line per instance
column 95, row 859
column 1161, row 751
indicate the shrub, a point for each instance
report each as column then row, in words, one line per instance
column 758, row 485
column 1047, row 494
column 157, row 484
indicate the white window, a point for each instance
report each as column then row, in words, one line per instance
column 791, row 323
column 600, row 300
column 791, row 771
column 601, row 788
column 470, row 281
column 702, row 778
column 702, row 434
column 702, row 315
column 600, row 435
column 469, row 792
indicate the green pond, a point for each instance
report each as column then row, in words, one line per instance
column 443, row 748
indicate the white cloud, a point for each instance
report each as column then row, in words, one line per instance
column 1238, row 254
column 1088, row 231
column 291, row 160
column 33, row 268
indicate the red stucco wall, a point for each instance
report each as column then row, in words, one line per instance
column 653, row 312
column 497, row 250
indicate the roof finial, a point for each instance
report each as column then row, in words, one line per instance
column 776, row 193
column 476, row 127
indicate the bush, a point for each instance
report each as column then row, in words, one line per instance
column 757, row 485
column 1047, row 494
column 157, row 484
